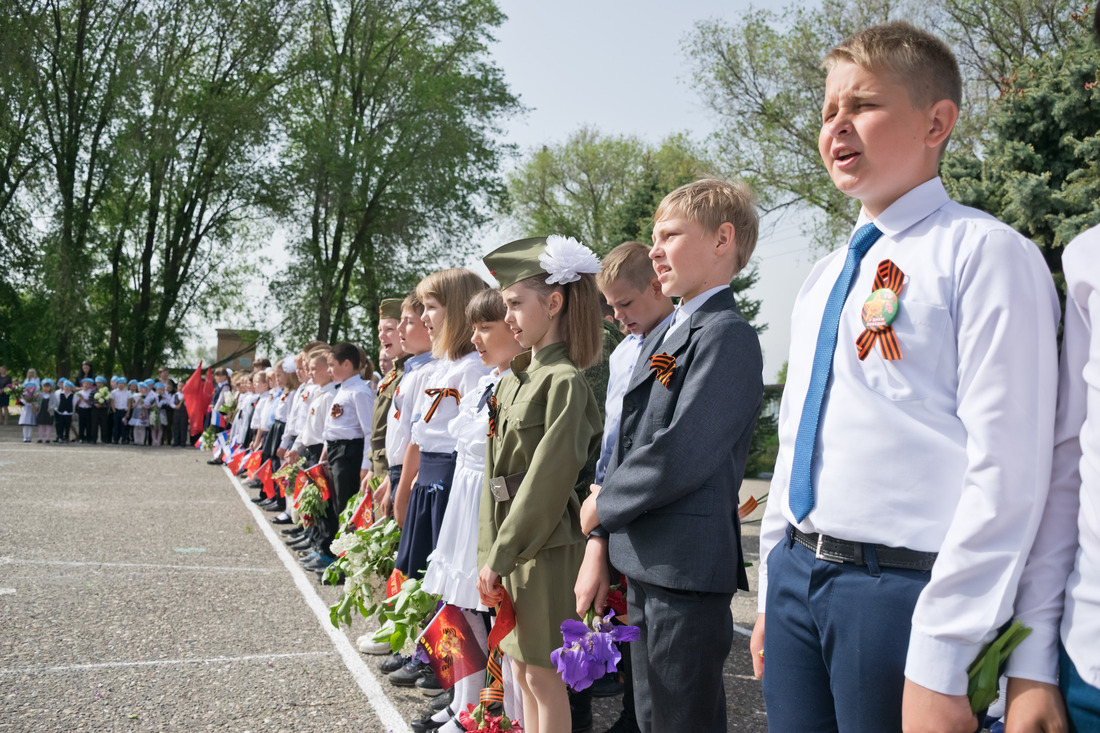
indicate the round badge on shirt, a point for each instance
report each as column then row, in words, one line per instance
column 880, row 309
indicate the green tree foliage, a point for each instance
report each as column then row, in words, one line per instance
column 1040, row 171
column 761, row 76
column 604, row 190
column 393, row 152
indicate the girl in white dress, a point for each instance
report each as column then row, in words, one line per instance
column 452, row 566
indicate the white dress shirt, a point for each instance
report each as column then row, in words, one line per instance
column 1064, row 567
column 312, row 429
column 620, row 366
column 399, row 419
column 283, row 403
column 299, row 410
column 349, row 417
column 120, row 398
column 461, row 375
column 947, row 449
column 685, row 309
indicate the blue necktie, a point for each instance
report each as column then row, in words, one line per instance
column 801, row 491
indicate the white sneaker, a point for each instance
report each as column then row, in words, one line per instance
column 373, row 647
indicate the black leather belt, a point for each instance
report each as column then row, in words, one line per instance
column 845, row 551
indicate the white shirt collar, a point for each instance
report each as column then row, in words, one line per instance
column 911, row 208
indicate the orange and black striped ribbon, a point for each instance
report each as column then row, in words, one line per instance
column 440, row 393
column 891, row 277
column 662, row 365
column 397, row 410
column 387, row 380
column 492, row 403
column 493, row 693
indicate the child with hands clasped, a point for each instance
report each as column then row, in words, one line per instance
column 915, row 432
column 546, row 425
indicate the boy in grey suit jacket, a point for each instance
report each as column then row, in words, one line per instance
column 666, row 514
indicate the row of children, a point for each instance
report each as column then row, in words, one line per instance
column 917, row 431
column 114, row 411
column 485, row 423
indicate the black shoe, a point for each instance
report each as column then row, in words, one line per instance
column 282, row 519
column 426, row 723
column 255, row 484
column 444, row 702
column 216, row 462
column 319, row 563
column 622, row 725
column 266, row 503
column 407, row 675
column 392, row 664
column 258, row 499
column 428, row 684
column 294, row 531
column 300, row 542
column 607, row 686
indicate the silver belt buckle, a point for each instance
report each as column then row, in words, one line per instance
column 499, row 489
column 819, row 552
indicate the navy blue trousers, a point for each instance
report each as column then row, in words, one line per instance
column 424, row 515
column 835, row 642
column 1082, row 699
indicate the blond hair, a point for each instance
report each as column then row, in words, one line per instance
column 581, row 326
column 453, row 289
column 917, row 60
column 710, row 203
column 629, row 263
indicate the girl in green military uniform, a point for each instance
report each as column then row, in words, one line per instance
column 544, row 425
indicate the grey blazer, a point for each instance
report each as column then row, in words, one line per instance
column 670, row 497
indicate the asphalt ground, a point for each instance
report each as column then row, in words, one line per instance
column 142, row 591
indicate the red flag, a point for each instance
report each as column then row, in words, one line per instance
column 197, row 398
column 263, row 473
column 235, row 462
column 300, row 482
column 451, row 647
column 364, row 513
column 319, row 475
column 281, row 483
column 394, row 583
column 253, row 463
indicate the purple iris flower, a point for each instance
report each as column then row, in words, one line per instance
column 590, row 652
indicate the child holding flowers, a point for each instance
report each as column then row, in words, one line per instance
column 31, row 398
column 546, row 425
column 45, row 411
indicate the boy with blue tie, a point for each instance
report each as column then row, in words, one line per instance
column 666, row 515
column 915, row 427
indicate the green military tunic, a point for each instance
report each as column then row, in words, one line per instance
column 386, row 389
column 547, row 423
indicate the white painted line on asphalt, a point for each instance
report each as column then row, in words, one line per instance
column 7, row 591
column 363, row 675
column 155, row 662
column 742, row 631
column 158, row 566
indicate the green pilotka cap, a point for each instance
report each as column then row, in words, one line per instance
column 390, row 308
column 516, row 261
column 559, row 259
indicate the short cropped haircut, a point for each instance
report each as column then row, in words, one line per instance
column 452, row 289
column 486, row 306
column 262, row 363
column 344, row 351
column 710, row 203
column 412, row 303
column 628, row 263
column 917, row 60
